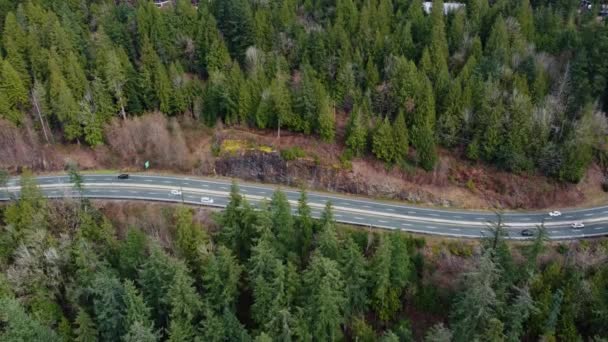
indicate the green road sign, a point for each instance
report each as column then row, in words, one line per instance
column 147, row 164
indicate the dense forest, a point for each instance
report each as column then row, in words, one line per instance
column 520, row 84
column 269, row 275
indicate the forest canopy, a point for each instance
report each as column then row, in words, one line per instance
column 521, row 84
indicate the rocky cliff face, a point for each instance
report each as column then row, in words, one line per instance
column 271, row 168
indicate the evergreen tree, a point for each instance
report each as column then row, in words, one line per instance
column 19, row 326
column 239, row 225
column 498, row 46
column 449, row 123
column 356, row 133
column 115, row 75
column 345, row 86
column 14, row 43
column 304, row 226
column 109, row 306
column 235, row 20
column 356, row 277
column 155, row 278
column 438, row 333
column 326, row 122
column 282, row 224
column 267, row 275
column 389, row 271
column 476, row 306
column 324, row 306
column 383, row 143
column 456, row 31
column 63, row 104
column 526, row 19
column 190, row 239
column 327, row 241
column 221, row 280
column 13, row 92
column 85, row 330
column 185, row 306
column 140, row 333
column 400, row 137
column 423, row 135
column 137, row 315
column 132, row 253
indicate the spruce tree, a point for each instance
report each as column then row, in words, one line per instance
column 400, row 137
column 13, row 92
column 282, row 224
column 221, row 280
column 383, row 143
column 356, row 133
column 356, row 278
column 85, row 327
column 324, row 307
column 304, row 226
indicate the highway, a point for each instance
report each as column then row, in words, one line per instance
column 347, row 209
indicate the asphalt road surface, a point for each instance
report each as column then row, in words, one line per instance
column 347, row 209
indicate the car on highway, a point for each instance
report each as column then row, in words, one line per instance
column 555, row 213
column 176, row 192
column 207, row 200
column 577, row 225
column 528, row 232
column 123, row 176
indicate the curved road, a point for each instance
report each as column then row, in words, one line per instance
column 347, row 209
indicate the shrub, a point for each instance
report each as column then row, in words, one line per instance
column 460, row 249
column 292, row 153
column 345, row 160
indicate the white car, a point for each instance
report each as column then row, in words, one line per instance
column 555, row 213
column 577, row 225
column 176, row 192
column 206, row 200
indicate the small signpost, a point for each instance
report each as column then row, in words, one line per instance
column 147, row 164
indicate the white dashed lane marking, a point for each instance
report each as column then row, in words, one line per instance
column 382, row 221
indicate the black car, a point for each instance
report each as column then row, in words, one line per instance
column 123, row 176
column 527, row 232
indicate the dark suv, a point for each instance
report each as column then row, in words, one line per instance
column 123, row 176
